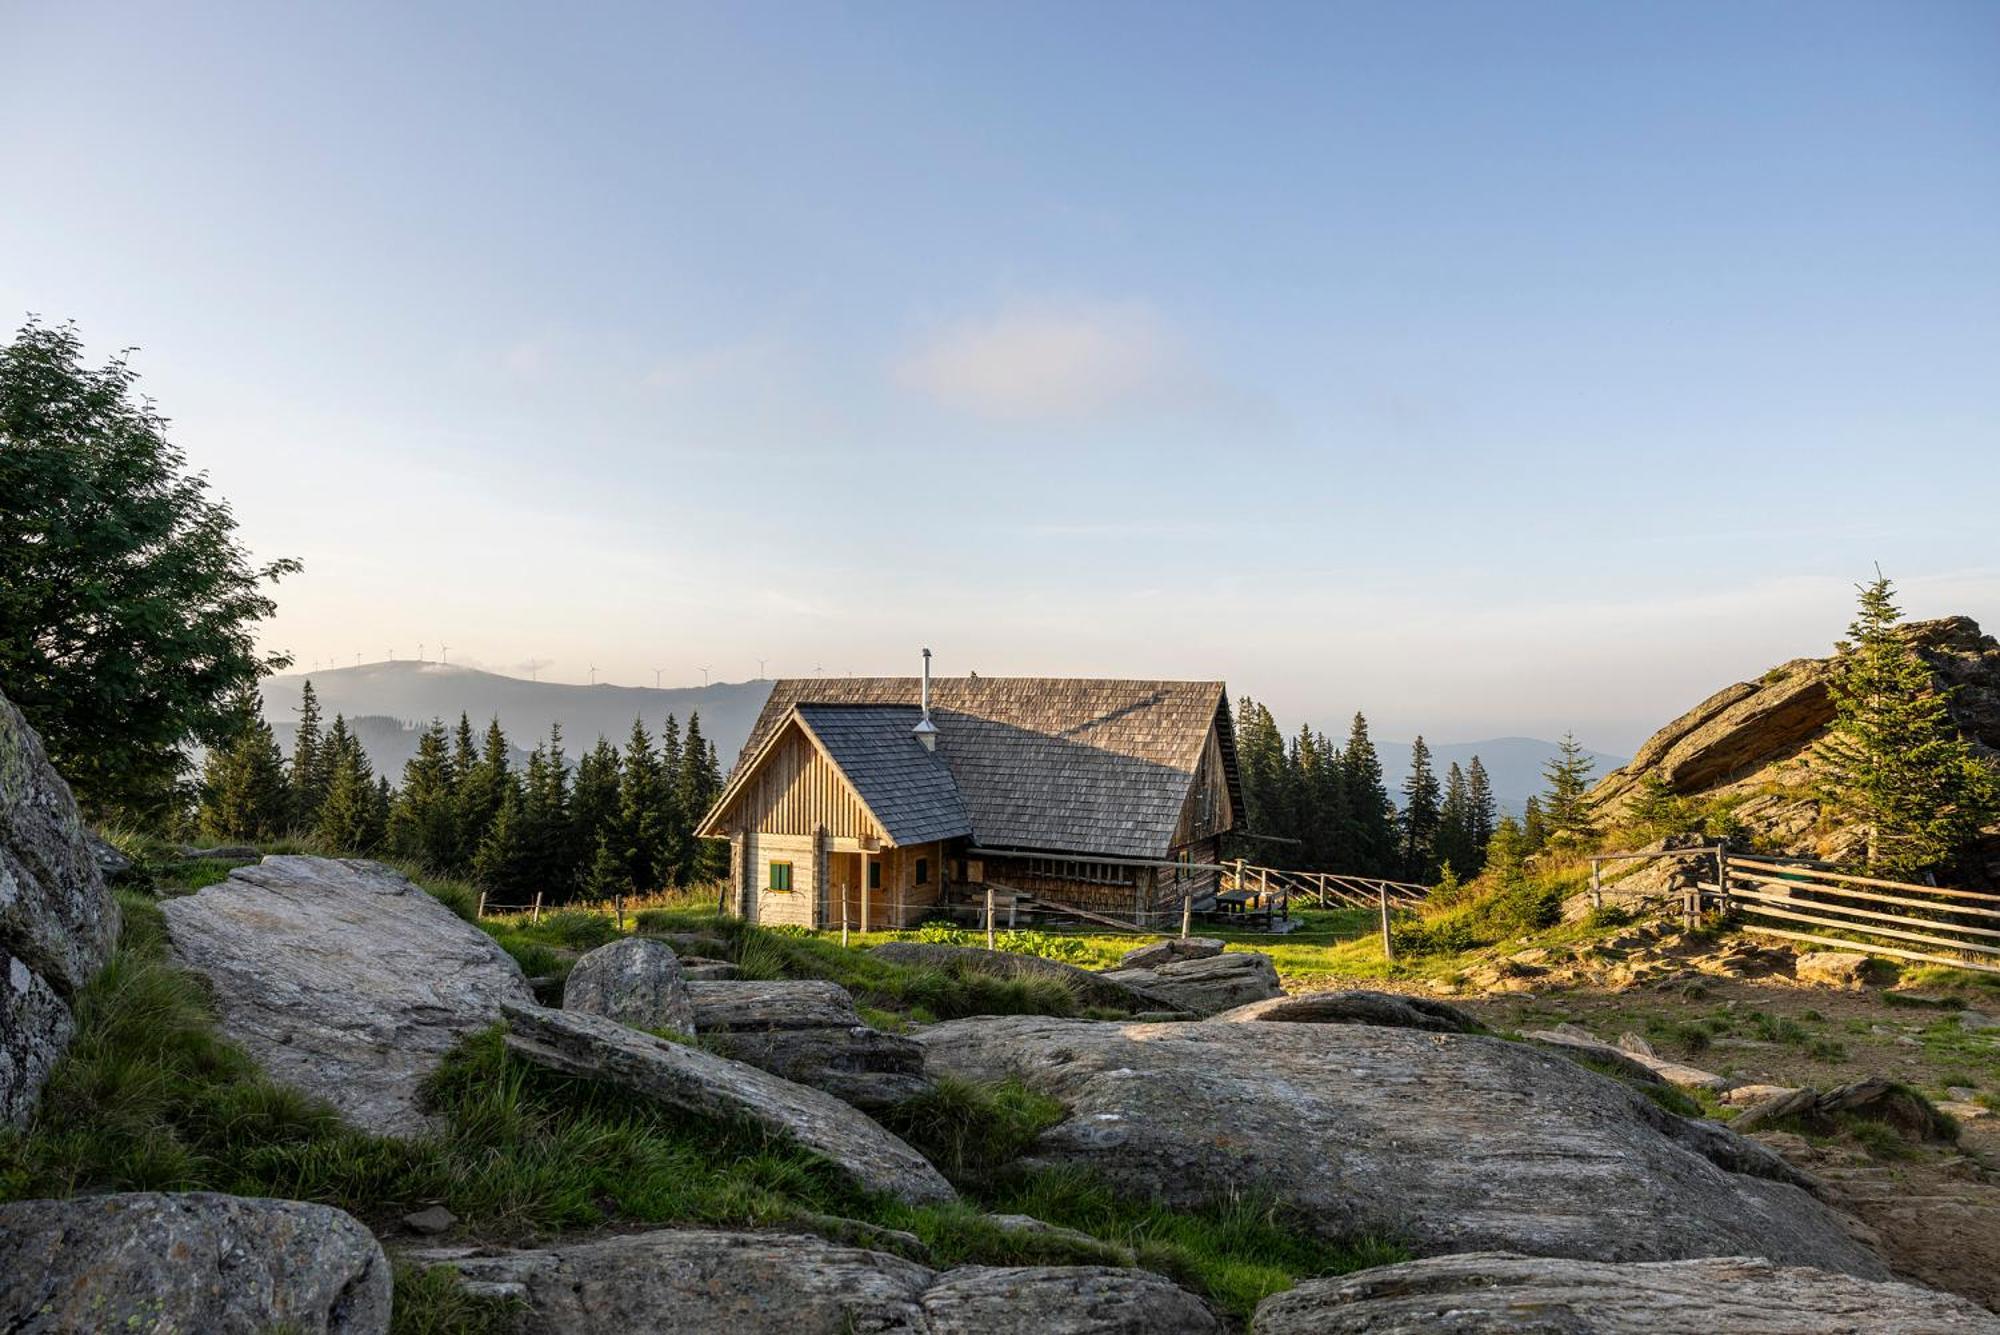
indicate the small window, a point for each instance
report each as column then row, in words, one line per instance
column 874, row 875
column 923, row 871
column 781, row 875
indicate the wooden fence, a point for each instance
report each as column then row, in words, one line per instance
column 1323, row 888
column 1807, row 902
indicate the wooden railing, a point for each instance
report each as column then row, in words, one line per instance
column 1899, row 919
column 1323, row 888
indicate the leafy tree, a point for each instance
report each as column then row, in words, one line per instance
column 423, row 820
column 350, row 819
column 1894, row 760
column 1482, row 811
column 128, row 609
column 1571, row 822
column 243, row 791
column 1420, row 813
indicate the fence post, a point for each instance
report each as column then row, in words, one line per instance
column 618, row 903
column 1597, row 883
column 480, row 912
column 538, row 906
column 843, row 915
column 1388, row 946
column 1722, row 879
column 989, row 917
column 1187, row 912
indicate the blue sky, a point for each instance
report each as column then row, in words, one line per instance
column 1491, row 368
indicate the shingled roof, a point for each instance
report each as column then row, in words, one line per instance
column 908, row 789
column 1046, row 763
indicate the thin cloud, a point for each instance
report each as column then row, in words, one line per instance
column 1048, row 361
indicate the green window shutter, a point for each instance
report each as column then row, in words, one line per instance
column 781, row 875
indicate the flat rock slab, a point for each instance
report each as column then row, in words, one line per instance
column 1445, row 1142
column 1494, row 1291
column 736, row 1003
column 1166, row 952
column 1091, row 989
column 754, row 1283
column 58, row 922
column 634, row 981
column 343, row 979
column 1570, row 1038
column 1384, row 1008
column 854, row 1063
column 152, row 1261
column 698, row 1082
column 1208, row 985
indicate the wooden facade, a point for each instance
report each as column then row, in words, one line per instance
column 836, row 814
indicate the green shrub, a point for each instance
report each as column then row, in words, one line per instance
column 971, row 1131
column 580, row 929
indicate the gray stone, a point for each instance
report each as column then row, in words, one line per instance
column 1206, row 986
column 788, row 1004
column 1832, row 968
column 753, row 1283
column 1974, row 1021
column 1090, row 989
column 343, row 979
column 112, row 864
column 1166, row 952
column 698, row 970
column 188, row 1262
column 1572, row 1039
column 634, row 981
column 58, row 922
column 222, row 853
column 854, row 1063
column 436, row 1219
column 702, row 1083
column 1384, row 1008
column 1447, row 1142
column 1495, row 1291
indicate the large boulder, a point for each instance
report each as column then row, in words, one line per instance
column 58, row 922
column 188, row 1262
column 855, row 1063
column 1498, row 1292
column 1833, row 968
column 751, row 1283
column 1205, row 985
column 634, row 981
column 1156, row 953
column 1090, row 989
column 733, row 1004
column 686, row 1078
column 1384, row 1008
column 1448, row 1142
column 343, row 979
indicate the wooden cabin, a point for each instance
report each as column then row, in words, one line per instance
column 893, row 799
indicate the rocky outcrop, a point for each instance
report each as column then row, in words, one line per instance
column 1496, row 1292
column 1569, row 1038
column 1166, row 952
column 1751, row 740
column 750, row 1283
column 1090, row 989
column 58, row 923
column 343, row 979
column 706, row 1085
column 1448, row 1142
column 634, row 981
column 1207, row 985
column 854, row 1063
column 1383, row 1008
column 735, row 1004
column 193, row 1262
column 1833, row 968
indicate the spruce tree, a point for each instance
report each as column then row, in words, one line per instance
column 423, row 820
column 1507, row 852
column 309, row 767
column 593, row 804
column 1567, row 809
column 1369, row 813
column 244, row 796
column 501, row 865
column 480, row 793
column 669, row 821
column 1534, row 826
column 1455, row 843
column 1894, row 761
column 349, row 822
column 1420, row 814
column 1482, row 810
column 639, row 803
column 1260, row 752
column 607, row 872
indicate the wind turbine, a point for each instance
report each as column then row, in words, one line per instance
column 656, row 677
column 593, row 674
column 420, row 651
column 445, row 650
column 760, row 668
column 704, row 676
column 533, row 666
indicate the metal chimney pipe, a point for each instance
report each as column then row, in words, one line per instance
column 926, row 731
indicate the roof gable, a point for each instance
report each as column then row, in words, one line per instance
column 1060, row 764
column 908, row 789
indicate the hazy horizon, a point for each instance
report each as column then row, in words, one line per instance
column 1496, row 371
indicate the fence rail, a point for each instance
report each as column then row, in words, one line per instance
column 1781, row 898
column 1324, row 888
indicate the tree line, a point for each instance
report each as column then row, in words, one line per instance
column 620, row 821
column 1312, row 804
